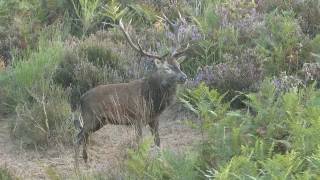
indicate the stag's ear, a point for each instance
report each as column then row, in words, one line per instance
column 158, row 63
column 181, row 59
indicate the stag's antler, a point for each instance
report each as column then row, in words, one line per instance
column 137, row 47
column 174, row 28
column 180, row 51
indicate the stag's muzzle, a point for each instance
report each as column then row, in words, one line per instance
column 182, row 78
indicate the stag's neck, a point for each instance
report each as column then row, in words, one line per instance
column 159, row 92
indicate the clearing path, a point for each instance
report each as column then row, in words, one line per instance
column 107, row 152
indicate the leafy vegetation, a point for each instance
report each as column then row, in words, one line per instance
column 278, row 137
column 5, row 174
column 261, row 55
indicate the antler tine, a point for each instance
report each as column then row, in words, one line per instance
column 167, row 19
column 137, row 48
column 181, row 18
column 178, row 52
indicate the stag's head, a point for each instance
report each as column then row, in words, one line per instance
column 168, row 65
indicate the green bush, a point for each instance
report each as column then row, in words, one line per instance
column 278, row 137
column 240, row 167
column 141, row 164
column 99, row 53
column 5, row 174
column 211, row 51
column 307, row 11
column 28, row 70
column 281, row 42
column 311, row 50
column 40, row 108
column 46, row 119
column 93, row 61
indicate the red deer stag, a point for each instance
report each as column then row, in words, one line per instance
column 136, row 103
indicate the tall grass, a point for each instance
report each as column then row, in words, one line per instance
column 30, row 69
column 5, row 174
column 41, row 108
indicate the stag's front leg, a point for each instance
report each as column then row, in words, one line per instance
column 154, row 126
column 138, row 131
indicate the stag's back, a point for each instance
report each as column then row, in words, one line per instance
column 115, row 103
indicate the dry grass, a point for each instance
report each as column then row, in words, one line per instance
column 107, row 150
column 2, row 63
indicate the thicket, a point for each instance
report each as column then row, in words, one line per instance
column 262, row 54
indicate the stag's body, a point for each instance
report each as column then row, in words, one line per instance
column 125, row 103
column 137, row 103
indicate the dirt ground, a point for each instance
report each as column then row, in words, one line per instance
column 107, row 150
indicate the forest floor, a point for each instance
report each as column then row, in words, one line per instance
column 107, row 150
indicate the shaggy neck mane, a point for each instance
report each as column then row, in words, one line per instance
column 159, row 92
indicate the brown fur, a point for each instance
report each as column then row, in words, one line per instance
column 136, row 103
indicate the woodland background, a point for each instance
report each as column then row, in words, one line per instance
column 253, row 87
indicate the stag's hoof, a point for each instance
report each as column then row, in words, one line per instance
column 85, row 157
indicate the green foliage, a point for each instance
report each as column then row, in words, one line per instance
column 206, row 103
column 240, row 167
column 307, row 11
column 311, row 50
column 113, row 11
column 86, row 10
column 205, row 16
column 29, row 70
column 142, row 14
column 277, row 137
column 5, row 174
column 281, row 43
column 285, row 166
column 52, row 173
column 45, row 120
column 41, row 108
column 211, row 50
column 99, row 54
column 141, row 164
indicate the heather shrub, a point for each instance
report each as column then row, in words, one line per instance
column 230, row 28
column 211, row 51
column 238, row 73
column 271, row 5
column 99, row 59
column 10, row 42
column 281, row 42
column 99, row 53
column 310, row 73
column 308, row 12
column 64, row 73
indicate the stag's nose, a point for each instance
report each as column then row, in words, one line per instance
column 183, row 78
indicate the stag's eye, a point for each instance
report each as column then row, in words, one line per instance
column 167, row 69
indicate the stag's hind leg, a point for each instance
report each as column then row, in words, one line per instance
column 82, row 138
column 138, row 132
column 78, row 142
column 154, row 126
